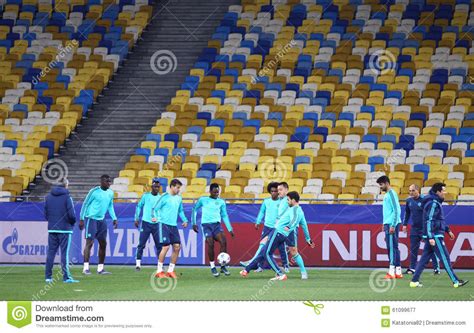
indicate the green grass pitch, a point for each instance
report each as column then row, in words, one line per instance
column 27, row 283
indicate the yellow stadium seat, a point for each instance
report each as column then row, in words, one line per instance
column 149, row 144
column 239, row 145
column 453, row 183
column 233, row 189
column 439, row 167
column 190, row 166
column 433, row 160
column 146, row 173
column 397, row 175
column 195, row 188
column 325, row 123
column 361, row 152
column 304, row 167
column 247, row 166
column 199, row 181
column 437, row 175
column 453, row 190
column 330, row 145
column 468, row 160
column 127, row 174
column 346, row 199
column 339, row 160
column 467, row 190
column 342, row 167
column 211, row 159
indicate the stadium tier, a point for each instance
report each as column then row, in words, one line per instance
column 327, row 95
column 55, row 59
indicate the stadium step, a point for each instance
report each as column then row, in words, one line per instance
column 137, row 96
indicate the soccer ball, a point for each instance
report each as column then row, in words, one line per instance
column 223, row 258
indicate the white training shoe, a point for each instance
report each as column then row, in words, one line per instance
column 279, row 278
column 304, row 276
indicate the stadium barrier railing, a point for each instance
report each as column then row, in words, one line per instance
column 31, row 198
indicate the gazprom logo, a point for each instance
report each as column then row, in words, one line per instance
column 9, row 243
column 12, row 247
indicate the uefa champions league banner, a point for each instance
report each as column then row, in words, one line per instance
column 345, row 236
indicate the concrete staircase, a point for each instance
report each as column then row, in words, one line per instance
column 132, row 103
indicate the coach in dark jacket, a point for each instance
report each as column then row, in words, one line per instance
column 59, row 212
column 434, row 228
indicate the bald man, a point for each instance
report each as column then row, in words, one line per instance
column 414, row 209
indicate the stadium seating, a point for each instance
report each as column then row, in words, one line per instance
column 327, row 95
column 55, row 59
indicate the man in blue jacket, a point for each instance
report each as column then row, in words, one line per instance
column 434, row 228
column 59, row 212
column 414, row 210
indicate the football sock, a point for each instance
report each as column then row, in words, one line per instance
column 100, row 267
column 391, row 270
column 299, row 261
column 86, row 266
column 260, row 247
column 160, row 267
column 398, row 270
column 213, row 264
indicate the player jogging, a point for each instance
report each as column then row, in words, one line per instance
column 166, row 212
column 291, row 219
column 391, row 227
column 292, row 239
column 213, row 212
column 99, row 201
column 147, row 228
column 414, row 209
column 269, row 212
column 433, row 232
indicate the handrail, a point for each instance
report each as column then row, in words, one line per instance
column 29, row 198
